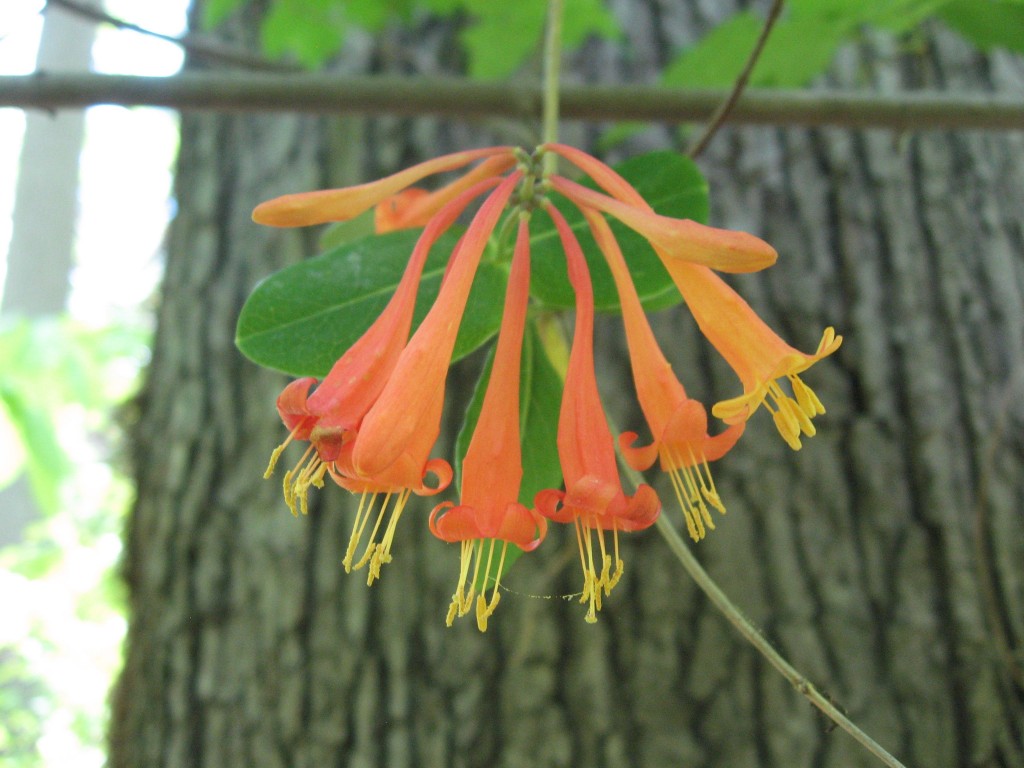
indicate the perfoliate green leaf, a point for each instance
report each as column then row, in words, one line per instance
column 672, row 184
column 988, row 23
column 540, row 398
column 300, row 320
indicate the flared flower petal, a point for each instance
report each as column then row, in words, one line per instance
column 593, row 500
column 402, row 420
column 388, row 454
column 493, row 468
column 678, row 424
column 305, row 208
column 760, row 358
column 329, row 416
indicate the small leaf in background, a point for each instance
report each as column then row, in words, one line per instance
column 302, row 319
column 502, row 35
column 673, row 185
column 215, row 11
column 46, row 462
column 987, row 23
column 312, row 30
column 540, row 398
column 802, row 44
column 582, row 18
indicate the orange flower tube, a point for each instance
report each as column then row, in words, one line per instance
column 415, row 207
column 593, row 499
column 756, row 353
column 304, row 208
column 388, row 455
column 329, row 416
column 493, row 468
column 678, row 424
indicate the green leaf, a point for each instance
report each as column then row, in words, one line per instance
column 312, row 30
column 540, row 397
column 45, row 460
column 801, row 45
column 988, row 23
column 582, row 18
column 502, row 35
column 673, row 185
column 300, row 320
column 797, row 51
column 717, row 59
column 215, row 11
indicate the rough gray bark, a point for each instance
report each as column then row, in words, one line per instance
column 884, row 559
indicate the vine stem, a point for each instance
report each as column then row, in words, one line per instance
column 751, row 634
column 720, row 115
column 552, row 75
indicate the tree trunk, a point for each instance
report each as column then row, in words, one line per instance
column 884, row 559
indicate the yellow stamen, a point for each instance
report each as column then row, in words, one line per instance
column 619, row 565
column 485, row 609
column 459, row 601
column 376, row 554
column 606, row 564
column 310, row 470
column 591, row 584
column 276, row 453
column 357, row 529
column 694, row 521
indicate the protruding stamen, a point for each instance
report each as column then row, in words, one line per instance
column 485, row 608
column 619, row 565
column 295, row 485
column 276, row 453
column 357, row 529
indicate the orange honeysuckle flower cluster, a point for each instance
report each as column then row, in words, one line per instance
column 372, row 423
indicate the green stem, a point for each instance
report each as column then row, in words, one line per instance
column 552, row 71
column 755, row 638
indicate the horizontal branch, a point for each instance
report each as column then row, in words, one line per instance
column 460, row 98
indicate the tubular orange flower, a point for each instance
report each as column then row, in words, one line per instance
column 678, row 424
column 329, row 417
column 759, row 357
column 390, row 448
column 593, row 499
column 415, row 207
column 757, row 354
column 304, row 208
column 492, row 469
column 721, row 249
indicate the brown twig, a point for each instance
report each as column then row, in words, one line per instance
column 719, row 117
column 196, row 45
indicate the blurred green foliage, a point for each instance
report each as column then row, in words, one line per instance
column 499, row 38
column 60, row 383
